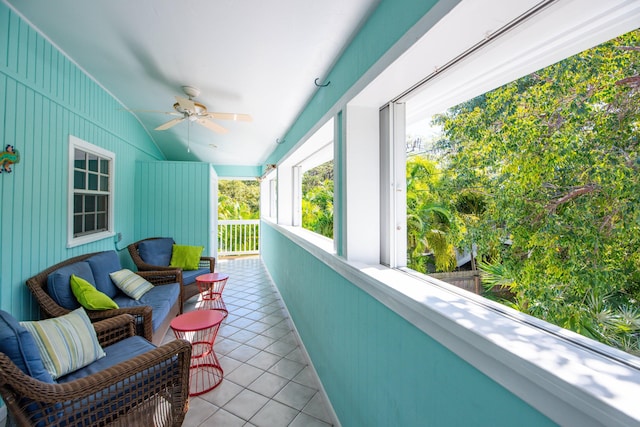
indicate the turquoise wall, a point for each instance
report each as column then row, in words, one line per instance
column 378, row 369
column 172, row 200
column 44, row 97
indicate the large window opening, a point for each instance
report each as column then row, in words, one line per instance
column 304, row 186
column 238, row 217
column 529, row 193
column 317, row 199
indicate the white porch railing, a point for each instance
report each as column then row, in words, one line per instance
column 238, row 237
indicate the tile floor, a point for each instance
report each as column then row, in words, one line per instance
column 267, row 377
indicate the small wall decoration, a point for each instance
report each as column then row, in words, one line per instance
column 8, row 157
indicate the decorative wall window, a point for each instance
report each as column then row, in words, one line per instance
column 91, row 192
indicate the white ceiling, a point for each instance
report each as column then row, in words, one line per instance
column 247, row 56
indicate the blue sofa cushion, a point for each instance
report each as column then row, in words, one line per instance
column 189, row 276
column 116, row 353
column 101, row 265
column 59, row 286
column 161, row 298
column 18, row 343
column 156, row 251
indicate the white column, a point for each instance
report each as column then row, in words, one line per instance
column 361, row 196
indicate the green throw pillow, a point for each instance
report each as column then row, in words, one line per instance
column 66, row 343
column 186, row 257
column 88, row 296
column 130, row 283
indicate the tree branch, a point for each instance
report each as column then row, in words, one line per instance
column 574, row 193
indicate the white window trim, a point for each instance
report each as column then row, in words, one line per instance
column 77, row 143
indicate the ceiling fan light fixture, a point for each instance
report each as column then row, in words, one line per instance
column 200, row 109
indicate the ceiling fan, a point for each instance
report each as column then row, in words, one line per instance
column 192, row 111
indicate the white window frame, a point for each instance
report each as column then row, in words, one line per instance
column 317, row 148
column 79, row 144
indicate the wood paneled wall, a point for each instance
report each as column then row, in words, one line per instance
column 45, row 97
column 173, row 200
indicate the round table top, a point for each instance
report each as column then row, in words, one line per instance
column 197, row 320
column 212, row 277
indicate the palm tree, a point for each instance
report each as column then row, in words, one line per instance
column 428, row 219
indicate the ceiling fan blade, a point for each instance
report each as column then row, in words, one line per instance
column 186, row 104
column 231, row 116
column 212, row 125
column 170, row 123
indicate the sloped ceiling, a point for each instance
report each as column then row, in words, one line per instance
column 246, row 56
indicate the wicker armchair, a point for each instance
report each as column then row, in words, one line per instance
column 150, row 389
column 143, row 314
column 190, row 287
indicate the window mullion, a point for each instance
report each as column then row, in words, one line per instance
column 393, row 185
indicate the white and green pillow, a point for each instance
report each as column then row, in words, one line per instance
column 66, row 343
column 130, row 283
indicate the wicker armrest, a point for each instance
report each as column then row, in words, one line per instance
column 162, row 277
column 142, row 318
column 109, row 396
column 207, row 262
column 114, row 329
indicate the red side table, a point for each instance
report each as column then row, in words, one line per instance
column 211, row 286
column 200, row 328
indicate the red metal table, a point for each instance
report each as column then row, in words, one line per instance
column 200, row 328
column 211, row 286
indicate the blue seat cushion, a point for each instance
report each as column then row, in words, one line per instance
column 18, row 344
column 189, row 276
column 110, row 401
column 59, row 287
column 101, row 265
column 116, row 353
column 156, row 251
column 160, row 298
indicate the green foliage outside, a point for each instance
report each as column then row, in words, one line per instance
column 543, row 175
column 429, row 219
column 317, row 199
column 238, row 199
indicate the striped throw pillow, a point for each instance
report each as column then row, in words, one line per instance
column 66, row 343
column 130, row 283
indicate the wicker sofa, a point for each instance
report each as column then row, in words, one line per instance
column 153, row 311
column 135, row 383
column 154, row 253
